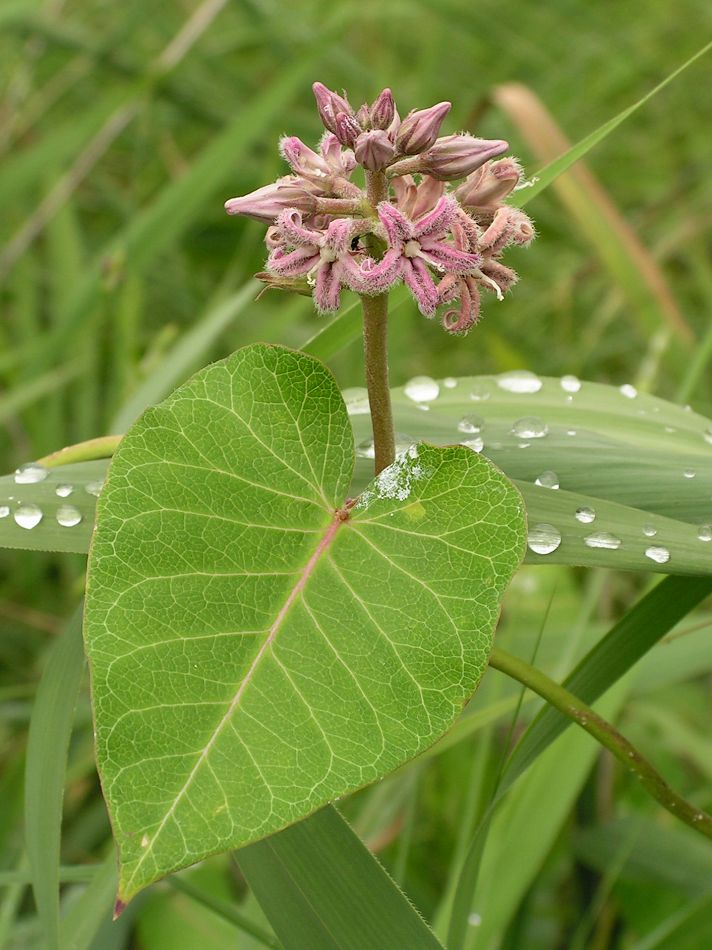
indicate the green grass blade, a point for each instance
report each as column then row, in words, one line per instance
column 47, row 745
column 552, row 171
column 90, row 911
column 301, row 880
column 639, row 630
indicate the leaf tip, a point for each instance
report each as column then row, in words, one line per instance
column 119, row 908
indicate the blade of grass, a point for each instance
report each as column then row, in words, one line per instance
column 90, row 911
column 300, row 879
column 47, row 746
column 224, row 909
column 628, row 261
column 555, row 168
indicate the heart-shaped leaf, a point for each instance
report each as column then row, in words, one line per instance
column 259, row 644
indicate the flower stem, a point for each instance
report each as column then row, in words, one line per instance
column 603, row 732
column 375, row 345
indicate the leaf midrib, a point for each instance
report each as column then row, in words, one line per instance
column 339, row 517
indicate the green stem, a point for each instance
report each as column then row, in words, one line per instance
column 606, row 734
column 375, row 344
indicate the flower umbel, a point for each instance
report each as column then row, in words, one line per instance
column 446, row 245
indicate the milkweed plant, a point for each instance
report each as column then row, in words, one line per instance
column 270, row 629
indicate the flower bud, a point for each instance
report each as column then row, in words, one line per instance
column 489, row 185
column 455, row 156
column 383, row 110
column 374, row 150
column 363, row 117
column 302, row 159
column 347, row 129
column 265, row 203
column 420, row 128
column 329, row 104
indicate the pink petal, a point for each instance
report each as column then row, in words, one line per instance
column 437, row 221
column 377, row 276
column 327, row 290
column 467, row 314
column 295, row 234
column 338, row 236
column 447, row 256
column 293, row 263
column 399, row 230
column 420, row 283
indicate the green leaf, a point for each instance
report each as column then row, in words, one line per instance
column 47, row 745
column 298, row 877
column 21, row 503
column 259, row 645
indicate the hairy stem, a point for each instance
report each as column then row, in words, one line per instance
column 606, row 734
column 375, row 345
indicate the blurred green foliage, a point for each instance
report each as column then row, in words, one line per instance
column 118, row 145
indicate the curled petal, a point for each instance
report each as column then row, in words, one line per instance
column 497, row 235
column 302, row 159
column 449, row 288
column 439, row 220
column 496, row 276
column 292, row 263
column 295, row 233
column 376, row 277
column 460, row 320
column 447, row 257
column 338, row 236
column 420, row 283
column 398, row 228
column 327, row 289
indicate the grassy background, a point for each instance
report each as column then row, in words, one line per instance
column 123, row 127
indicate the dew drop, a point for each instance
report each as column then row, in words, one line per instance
column 689, row 473
column 543, row 538
column 64, row 491
column 476, row 444
column 570, row 384
column 602, row 539
column 94, row 488
column 670, row 429
column 649, row 530
column 530, row 427
column 705, row 532
column 28, row 516
column 30, row 474
column 571, row 432
column 356, row 400
column 630, row 392
column 707, row 435
column 547, row 479
column 4, row 511
column 519, row 381
column 479, row 393
column 450, row 382
column 422, row 389
column 474, row 920
column 658, row 554
column 470, row 424
column 68, row 516
column 585, row 515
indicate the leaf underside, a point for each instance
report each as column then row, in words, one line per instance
column 259, row 647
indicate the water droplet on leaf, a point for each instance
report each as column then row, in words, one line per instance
column 602, row 539
column 630, row 392
column 570, row 384
column 530, row 427
column 28, row 516
column 476, row 444
column 649, row 530
column 64, row 491
column 519, row 381
column 548, row 480
column 585, row 515
column 68, row 516
column 4, row 511
column 658, row 554
column 479, row 392
column 705, row 532
column 543, row 538
column 689, row 473
column 450, row 382
column 422, row 389
column 94, row 488
column 470, row 424
column 30, row 474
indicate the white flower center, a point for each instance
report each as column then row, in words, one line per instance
column 328, row 255
column 412, row 249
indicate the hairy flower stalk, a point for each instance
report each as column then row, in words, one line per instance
column 407, row 224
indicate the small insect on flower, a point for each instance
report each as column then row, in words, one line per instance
column 444, row 242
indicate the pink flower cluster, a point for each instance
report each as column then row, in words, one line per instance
column 446, row 245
